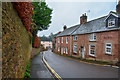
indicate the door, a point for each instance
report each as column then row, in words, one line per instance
column 83, row 52
column 61, row 50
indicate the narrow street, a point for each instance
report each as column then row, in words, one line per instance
column 67, row 68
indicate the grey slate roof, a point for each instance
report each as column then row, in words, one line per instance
column 68, row 31
column 96, row 25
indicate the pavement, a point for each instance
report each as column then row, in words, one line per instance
column 68, row 68
column 39, row 70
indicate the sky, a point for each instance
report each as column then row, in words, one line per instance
column 68, row 13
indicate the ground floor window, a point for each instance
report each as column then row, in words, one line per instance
column 66, row 50
column 108, row 48
column 92, row 49
column 58, row 48
column 75, row 48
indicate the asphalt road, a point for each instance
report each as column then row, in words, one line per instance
column 68, row 68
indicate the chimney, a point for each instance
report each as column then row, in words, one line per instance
column 83, row 19
column 118, row 8
column 65, row 27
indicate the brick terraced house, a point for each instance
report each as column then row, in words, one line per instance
column 97, row 39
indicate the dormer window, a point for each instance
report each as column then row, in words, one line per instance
column 111, row 23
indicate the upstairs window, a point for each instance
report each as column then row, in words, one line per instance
column 66, row 40
column 92, row 37
column 111, row 22
column 108, row 48
column 75, row 48
column 75, row 37
column 58, row 40
column 62, row 39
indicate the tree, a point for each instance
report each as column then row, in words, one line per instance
column 42, row 15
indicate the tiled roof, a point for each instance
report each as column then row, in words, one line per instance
column 96, row 25
column 68, row 31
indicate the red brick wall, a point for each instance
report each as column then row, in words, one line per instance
column 102, row 38
column 63, row 44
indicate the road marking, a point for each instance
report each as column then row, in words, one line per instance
column 53, row 72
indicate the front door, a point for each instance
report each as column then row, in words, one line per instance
column 61, row 50
column 82, row 52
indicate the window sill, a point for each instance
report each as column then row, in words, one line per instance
column 92, row 40
column 92, row 55
column 75, row 52
column 108, row 54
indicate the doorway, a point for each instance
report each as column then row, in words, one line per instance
column 62, row 50
column 82, row 52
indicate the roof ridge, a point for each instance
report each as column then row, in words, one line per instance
column 97, row 19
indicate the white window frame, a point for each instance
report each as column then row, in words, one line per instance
column 90, row 50
column 108, row 47
column 75, row 37
column 111, row 23
column 74, row 48
column 66, row 40
column 66, row 50
column 58, row 48
column 62, row 39
column 92, row 37
column 58, row 40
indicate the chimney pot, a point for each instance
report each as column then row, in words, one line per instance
column 83, row 19
column 65, row 27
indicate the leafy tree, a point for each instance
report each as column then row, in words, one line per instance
column 42, row 15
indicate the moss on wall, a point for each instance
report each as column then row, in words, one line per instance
column 16, row 45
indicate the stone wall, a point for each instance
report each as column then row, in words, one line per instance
column 35, row 51
column 16, row 43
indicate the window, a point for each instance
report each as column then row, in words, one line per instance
column 66, row 40
column 111, row 22
column 108, row 48
column 92, row 37
column 75, row 37
column 62, row 39
column 66, row 50
column 58, row 40
column 92, row 49
column 75, row 48
column 58, row 48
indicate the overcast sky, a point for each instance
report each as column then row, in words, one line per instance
column 68, row 13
